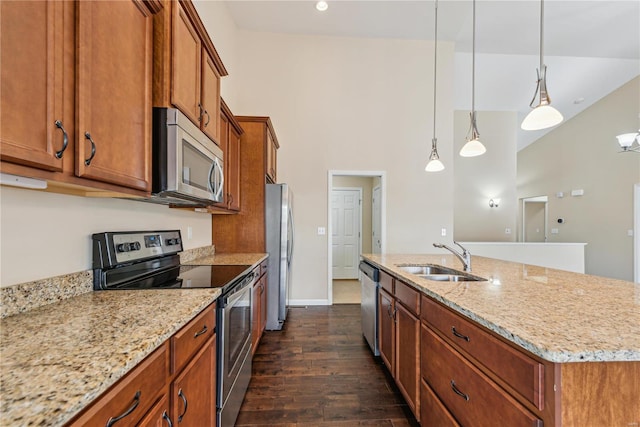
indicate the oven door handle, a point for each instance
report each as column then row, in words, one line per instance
column 239, row 289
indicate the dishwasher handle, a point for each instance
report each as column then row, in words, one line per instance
column 370, row 271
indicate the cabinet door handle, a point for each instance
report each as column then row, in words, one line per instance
column 65, row 139
column 200, row 332
column 459, row 335
column 458, row 392
column 87, row 162
column 167, row 419
column 136, row 401
column 208, row 118
column 395, row 317
column 184, row 400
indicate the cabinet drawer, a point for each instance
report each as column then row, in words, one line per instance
column 520, row 371
column 386, row 282
column 408, row 296
column 191, row 337
column 432, row 412
column 472, row 397
column 134, row 394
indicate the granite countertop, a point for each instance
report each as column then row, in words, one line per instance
column 557, row 315
column 57, row 358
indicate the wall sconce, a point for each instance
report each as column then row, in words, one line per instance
column 627, row 140
column 493, row 203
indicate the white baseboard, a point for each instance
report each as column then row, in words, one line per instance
column 303, row 302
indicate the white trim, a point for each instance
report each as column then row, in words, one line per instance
column 373, row 190
column 303, row 302
column 537, row 199
column 360, row 192
column 383, row 216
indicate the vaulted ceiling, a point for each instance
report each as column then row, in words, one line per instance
column 591, row 47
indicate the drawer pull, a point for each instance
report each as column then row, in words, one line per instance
column 134, row 405
column 458, row 392
column 184, row 399
column 200, row 332
column 459, row 335
column 167, row 419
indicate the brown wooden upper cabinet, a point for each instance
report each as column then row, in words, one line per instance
column 76, row 105
column 230, row 131
column 272, row 158
column 187, row 68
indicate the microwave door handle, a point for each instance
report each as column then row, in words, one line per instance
column 218, row 171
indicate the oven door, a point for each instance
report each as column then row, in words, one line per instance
column 235, row 345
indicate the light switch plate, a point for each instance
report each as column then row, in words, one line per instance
column 507, row 231
column 554, row 231
column 443, row 232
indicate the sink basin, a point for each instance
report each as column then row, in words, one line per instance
column 439, row 274
column 451, row 277
column 426, row 270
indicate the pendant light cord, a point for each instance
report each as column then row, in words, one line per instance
column 435, row 71
column 473, row 65
column 541, row 35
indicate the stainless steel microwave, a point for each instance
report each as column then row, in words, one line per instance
column 188, row 167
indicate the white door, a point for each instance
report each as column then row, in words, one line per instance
column 345, row 226
column 376, row 225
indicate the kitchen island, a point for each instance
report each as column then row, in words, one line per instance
column 58, row 358
column 580, row 333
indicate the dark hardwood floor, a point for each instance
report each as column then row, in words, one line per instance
column 319, row 371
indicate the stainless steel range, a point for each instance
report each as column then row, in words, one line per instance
column 149, row 260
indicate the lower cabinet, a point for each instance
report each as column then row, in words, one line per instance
column 399, row 339
column 193, row 390
column 432, row 412
column 259, row 308
column 159, row 393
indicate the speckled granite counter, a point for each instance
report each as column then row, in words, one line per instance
column 57, row 358
column 557, row 315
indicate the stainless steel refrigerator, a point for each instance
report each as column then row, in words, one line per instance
column 279, row 230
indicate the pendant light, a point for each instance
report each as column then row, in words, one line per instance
column 543, row 115
column 434, row 165
column 473, row 147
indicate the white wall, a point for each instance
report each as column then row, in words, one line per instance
column 44, row 234
column 490, row 176
column 582, row 153
column 352, row 104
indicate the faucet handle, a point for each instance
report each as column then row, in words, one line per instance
column 464, row 250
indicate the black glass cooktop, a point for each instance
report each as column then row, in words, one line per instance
column 189, row 277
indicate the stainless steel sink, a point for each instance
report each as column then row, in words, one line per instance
column 439, row 274
column 426, row 269
column 452, row 277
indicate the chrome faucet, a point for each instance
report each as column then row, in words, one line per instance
column 464, row 257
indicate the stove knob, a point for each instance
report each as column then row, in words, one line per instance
column 122, row 247
column 170, row 242
column 176, row 241
column 135, row 246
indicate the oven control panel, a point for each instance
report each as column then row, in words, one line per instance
column 111, row 249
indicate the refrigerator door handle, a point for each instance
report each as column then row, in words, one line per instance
column 290, row 242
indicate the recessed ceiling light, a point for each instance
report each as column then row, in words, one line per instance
column 322, row 6
column 578, row 100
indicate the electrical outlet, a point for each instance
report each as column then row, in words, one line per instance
column 507, row 231
column 322, row 231
column 630, row 233
column 554, row 231
column 443, row 232
column 189, row 233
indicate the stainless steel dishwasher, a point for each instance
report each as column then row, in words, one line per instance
column 370, row 279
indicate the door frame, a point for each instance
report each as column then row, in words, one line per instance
column 636, row 232
column 383, row 216
column 373, row 210
column 359, row 190
column 537, row 199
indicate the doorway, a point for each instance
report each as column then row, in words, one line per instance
column 534, row 219
column 352, row 212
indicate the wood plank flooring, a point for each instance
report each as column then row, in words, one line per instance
column 319, row 371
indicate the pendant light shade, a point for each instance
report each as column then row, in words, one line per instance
column 542, row 116
column 473, row 147
column 434, row 164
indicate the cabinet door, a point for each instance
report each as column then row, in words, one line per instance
column 386, row 330
column 31, row 91
column 210, row 98
column 193, row 391
column 407, row 356
column 271, row 158
column 255, row 316
column 114, row 92
column 232, row 165
column 158, row 416
column 432, row 412
column 186, row 65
